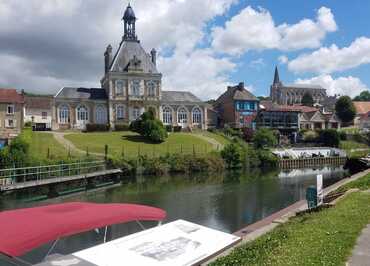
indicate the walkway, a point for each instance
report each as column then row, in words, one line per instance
column 216, row 145
column 361, row 253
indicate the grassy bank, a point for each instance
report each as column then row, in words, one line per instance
column 131, row 144
column 322, row 238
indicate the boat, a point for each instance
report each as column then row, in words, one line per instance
column 23, row 230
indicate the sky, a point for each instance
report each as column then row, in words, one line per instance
column 203, row 45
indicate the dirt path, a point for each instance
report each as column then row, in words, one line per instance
column 216, row 145
column 68, row 145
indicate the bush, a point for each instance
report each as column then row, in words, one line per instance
column 97, row 127
column 342, row 135
column 28, row 124
column 264, row 138
column 330, row 137
column 232, row 156
column 149, row 127
column 310, row 136
column 121, row 127
column 177, row 129
column 16, row 154
column 169, row 128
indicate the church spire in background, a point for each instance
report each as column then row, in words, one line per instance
column 276, row 77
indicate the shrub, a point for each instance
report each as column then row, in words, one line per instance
column 121, row 127
column 267, row 159
column 97, row 127
column 28, row 124
column 342, row 135
column 263, row 138
column 330, row 137
column 177, row 129
column 169, row 128
column 310, row 136
column 149, row 127
column 232, row 155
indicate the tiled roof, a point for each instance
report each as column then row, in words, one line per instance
column 362, row 107
column 38, row 102
column 269, row 106
column 82, row 93
column 237, row 93
column 10, row 96
column 304, row 86
column 179, row 96
column 126, row 52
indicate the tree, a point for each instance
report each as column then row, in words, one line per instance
column 149, row 127
column 345, row 109
column 232, row 155
column 363, row 97
column 330, row 137
column 264, row 138
column 307, row 99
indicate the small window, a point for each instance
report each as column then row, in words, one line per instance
column 119, row 88
column 151, row 88
column 44, row 115
column 120, row 112
column 136, row 113
column 9, row 123
column 10, row 109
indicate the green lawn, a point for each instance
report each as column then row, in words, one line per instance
column 349, row 145
column 322, row 238
column 218, row 137
column 40, row 142
column 131, row 144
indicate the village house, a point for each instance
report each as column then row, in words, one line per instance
column 38, row 112
column 11, row 114
column 131, row 85
column 237, row 107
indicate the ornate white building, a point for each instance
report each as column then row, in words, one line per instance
column 131, row 85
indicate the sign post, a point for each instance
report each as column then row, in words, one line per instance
column 320, row 192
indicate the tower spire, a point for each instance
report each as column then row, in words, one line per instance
column 276, row 76
column 129, row 20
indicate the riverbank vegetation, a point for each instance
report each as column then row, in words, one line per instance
column 326, row 237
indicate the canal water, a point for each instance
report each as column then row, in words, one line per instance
column 226, row 202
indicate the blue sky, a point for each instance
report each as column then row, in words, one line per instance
column 203, row 45
column 352, row 18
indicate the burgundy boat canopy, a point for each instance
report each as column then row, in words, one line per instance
column 25, row 229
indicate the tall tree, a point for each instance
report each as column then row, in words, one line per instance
column 307, row 99
column 363, row 97
column 345, row 109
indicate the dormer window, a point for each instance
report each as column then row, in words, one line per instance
column 10, row 109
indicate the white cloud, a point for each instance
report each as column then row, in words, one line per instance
column 350, row 86
column 283, row 59
column 331, row 59
column 255, row 29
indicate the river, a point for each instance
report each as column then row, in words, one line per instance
column 226, row 202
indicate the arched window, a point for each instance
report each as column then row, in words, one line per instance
column 151, row 88
column 167, row 115
column 101, row 115
column 120, row 112
column 182, row 116
column 82, row 113
column 64, row 114
column 197, row 116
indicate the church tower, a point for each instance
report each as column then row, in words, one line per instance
column 275, row 87
column 131, row 80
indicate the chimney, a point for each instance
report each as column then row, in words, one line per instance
column 108, row 58
column 153, row 53
column 241, row 86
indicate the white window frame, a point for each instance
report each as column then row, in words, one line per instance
column 120, row 112
column 101, row 115
column 167, row 115
column 151, row 88
column 12, row 107
column 120, row 91
column 63, row 114
column 136, row 113
column 182, row 115
column 82, row 115
column 136, row 88
column 7, row 123
column 197, row 116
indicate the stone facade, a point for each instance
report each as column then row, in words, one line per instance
column 38, row 111
column 130, row 86
column 293, row 94
column 11, row 114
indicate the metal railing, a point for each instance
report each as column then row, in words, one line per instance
column 36, row 173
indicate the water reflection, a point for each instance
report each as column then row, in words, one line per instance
column 225, row 201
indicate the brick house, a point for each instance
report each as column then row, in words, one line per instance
column 237, row 107
column 11, row 114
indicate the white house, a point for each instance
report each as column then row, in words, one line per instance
column 38, row 111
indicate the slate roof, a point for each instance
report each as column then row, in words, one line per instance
column 126, row 52
column 10, row 96
column 179, row 96
column 237, row 93
column 270, row 106
column 38, row 102
column 82, row 93
column 304, row 86
column 362, row 107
